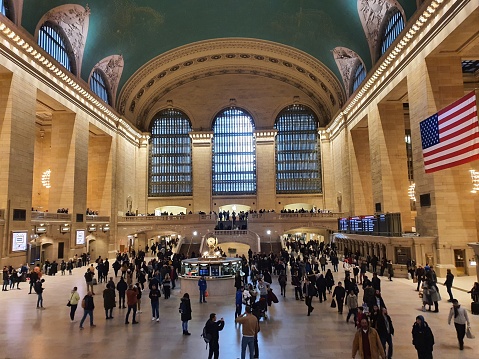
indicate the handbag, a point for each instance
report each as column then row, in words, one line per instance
column 70, row 304
column 469, row 334
column 206, row 293
column 333, row 303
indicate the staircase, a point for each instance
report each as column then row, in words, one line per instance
column 187, row 248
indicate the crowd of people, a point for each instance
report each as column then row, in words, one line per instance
column 307, row 263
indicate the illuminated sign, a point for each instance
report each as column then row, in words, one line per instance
column 19, row 241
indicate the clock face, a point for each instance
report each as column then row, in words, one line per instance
column 211, row 241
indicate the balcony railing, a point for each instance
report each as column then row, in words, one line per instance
column 95, row 218
column 173, row 218
column 50, row 216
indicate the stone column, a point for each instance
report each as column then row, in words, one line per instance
column 265, row 169
column 361, row 192
column 389, row 160
column 433, row 85
column 17, row 140
column 142, row 176
column 202, row 171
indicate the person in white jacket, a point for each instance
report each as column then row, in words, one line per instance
column 460, row 320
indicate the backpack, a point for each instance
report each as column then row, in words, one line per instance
column 206, row 336
column 88, row 276
column 83, row 303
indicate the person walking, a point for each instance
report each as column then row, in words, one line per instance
column 89, row 275
column 385, row 329
column 121, row 287
column 88, row 306
column 367, row 342
column 448, row 284
column 185, row 311
column 352, row 303
column 131, row 301
column 74, row 299
column 283, row 280
column 202, row 286
column 109, row 300
column 250, row 330
column 154, row 296
column 309, row 291
column 339, row 293
column 238, row 301
column 213, row 327
column 460, row 320
column 422, row 338
column 38, row 288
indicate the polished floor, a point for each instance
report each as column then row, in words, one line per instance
column 288, row 333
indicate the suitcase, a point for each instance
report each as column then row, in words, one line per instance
column 475, row 308
column 94, row 281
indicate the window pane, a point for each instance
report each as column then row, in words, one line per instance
column 234, row 153
column 359, row 76
column 53, row 43
column 297, row 154
column 170, row 155
column 98, row 86
column 392, row 30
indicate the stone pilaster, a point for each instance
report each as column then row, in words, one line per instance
column 202, row 170
column 265, row 169
column 361, row 191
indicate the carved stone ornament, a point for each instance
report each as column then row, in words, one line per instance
column 372, row 13
column 112, row 66
column 73, row 20
column 346, row 60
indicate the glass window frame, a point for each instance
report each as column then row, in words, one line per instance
column 233, row 153
column 393, row 26
column 170, row 167
column 53, row 40
column 297, row 151
column 99, row 85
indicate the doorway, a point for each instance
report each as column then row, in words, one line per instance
column 61, row 250
column 459, row 261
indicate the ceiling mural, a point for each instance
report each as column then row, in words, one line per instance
column 141, row 30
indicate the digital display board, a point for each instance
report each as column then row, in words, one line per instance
column 343, row 224
column 80, row 237
column 368, row 224
column 19, row 241
column 355, row 225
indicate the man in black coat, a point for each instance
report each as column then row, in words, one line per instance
column 385, row 328
column 213, row 328
column 448, row 284
column 339, row 293
column 121, row 287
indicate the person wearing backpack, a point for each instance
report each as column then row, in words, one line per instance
column 212, row 328
column 88, row 306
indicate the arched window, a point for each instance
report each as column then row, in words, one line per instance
column 234, row 153
column 394, row 26
column 98, row 84
column 53, row 41
column 298, row 168
column 170, row 155
column 359, row 76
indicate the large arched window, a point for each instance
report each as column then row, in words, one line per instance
column 393, row 27
column 359, row 76
column 298, row 167
column 98, row 84
column 53, row 41
column 234, row 153
column 170, row 155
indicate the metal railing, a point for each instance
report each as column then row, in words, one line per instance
column 50, row 216
column 95, row 218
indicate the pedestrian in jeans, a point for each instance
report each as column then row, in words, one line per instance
column 39, row 290
column 74, row 299
column 131, row 301
column 155, row 295
column 460, row 320
column 88, row 306
column 250, row 330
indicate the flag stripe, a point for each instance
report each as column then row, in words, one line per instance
column 451, row 137
column 464, row 142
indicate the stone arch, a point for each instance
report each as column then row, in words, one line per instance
column 372, row 14
column 73, row 20
column 347, row 61
column 112, row 68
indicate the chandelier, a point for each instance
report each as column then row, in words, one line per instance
column 475, row 180
column 46, row 178
column 412, row 192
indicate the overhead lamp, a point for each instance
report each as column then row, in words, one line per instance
column 475, row 181
column 412, row 192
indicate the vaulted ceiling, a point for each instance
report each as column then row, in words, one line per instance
column 143, row 31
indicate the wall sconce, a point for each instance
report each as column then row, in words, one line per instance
column 475, row 181
column 65, row 228
column 46, row 178
column 92, row 228
column 106, row 228
column 412, row 192
column 472, row 262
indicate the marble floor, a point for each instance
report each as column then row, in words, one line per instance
column 26, row 332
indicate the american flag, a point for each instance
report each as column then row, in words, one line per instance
column 451, row 136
